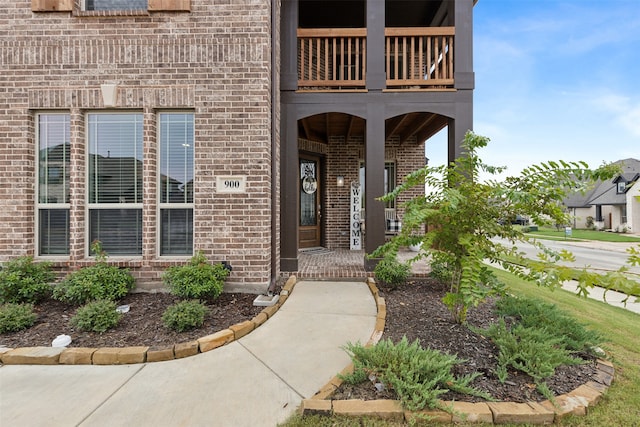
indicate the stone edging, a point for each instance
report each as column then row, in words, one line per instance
column 140, row 354
column 575, row 402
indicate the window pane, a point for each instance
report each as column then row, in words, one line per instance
column 176, row 158
column 119, row 230
column 389, row 182
column 54, row 231
column 308, row 195
column 115, row 158
column 177, row 232
column 54, row 158
column 115, row 5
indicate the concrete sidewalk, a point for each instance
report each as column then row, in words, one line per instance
column 605, row 246
column 258, row 380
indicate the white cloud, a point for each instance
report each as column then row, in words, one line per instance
column 626, row 111
column 631, row 120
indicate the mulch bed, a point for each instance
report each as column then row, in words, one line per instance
column 141, row 326
column 413, row 309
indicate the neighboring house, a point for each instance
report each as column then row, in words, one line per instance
column 613, row 204
column 236, row 128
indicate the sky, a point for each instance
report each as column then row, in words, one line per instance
column 554, row 80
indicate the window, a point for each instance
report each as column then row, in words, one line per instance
column 54, row 162
column 176, row 183
column 114, row 180
column 599, row 216
column 622, row 186
column 115, row 5
column 114, row 183
column 623, row 214
column 111, row 5
column 389, row 181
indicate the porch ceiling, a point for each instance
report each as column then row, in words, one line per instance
column 409, row 127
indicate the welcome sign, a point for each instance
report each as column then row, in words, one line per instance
column 355, row 232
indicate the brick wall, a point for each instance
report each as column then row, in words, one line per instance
column 214, row 60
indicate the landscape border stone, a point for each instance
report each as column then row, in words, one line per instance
column 141, row 354
column 576, row 402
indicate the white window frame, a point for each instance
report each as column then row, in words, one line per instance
column 45, row 205
column 97, row 206
column 160, row 206
column 361, row 173
column 84, row 7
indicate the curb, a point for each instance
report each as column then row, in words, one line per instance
column 575, row 402
column 141, row 354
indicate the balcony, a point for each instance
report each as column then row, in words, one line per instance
column 415, row 58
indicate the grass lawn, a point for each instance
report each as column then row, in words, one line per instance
column 620, row 406
column 579, row 234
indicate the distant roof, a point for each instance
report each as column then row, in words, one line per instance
column 605, row 192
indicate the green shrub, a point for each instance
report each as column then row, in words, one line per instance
column 16, row 317
column 392, row 272
column 22, row 280
column 531, row 350
column 417, row 375
column 96, row 316
column 196, row 280
column 441, row 271
column 100, row 281
column 541, row 339
column 529, row 312
column 184, row 315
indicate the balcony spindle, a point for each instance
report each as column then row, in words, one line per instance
column 335, row 59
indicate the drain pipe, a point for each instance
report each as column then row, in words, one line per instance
column 274, row 166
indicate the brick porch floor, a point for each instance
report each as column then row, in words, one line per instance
column 321, row 263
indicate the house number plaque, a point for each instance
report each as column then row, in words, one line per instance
column 231, row 184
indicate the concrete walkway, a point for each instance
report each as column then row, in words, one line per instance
column 256, row 381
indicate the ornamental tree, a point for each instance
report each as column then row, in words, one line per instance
column 463, row 224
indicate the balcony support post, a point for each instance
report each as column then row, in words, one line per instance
column 464, row 78
column 459, row 126
column 289, row 46
column 376, row 77
column 463, row 54
column 374, row 181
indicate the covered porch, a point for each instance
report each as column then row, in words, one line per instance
column 363, row 85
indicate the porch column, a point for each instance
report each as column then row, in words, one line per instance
column 289, row 190
column 459, row 126
column 464, row 77
column 374, row 181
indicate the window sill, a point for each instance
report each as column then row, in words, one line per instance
column 109, row 13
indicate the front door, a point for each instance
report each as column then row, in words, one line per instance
column 310, row 213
